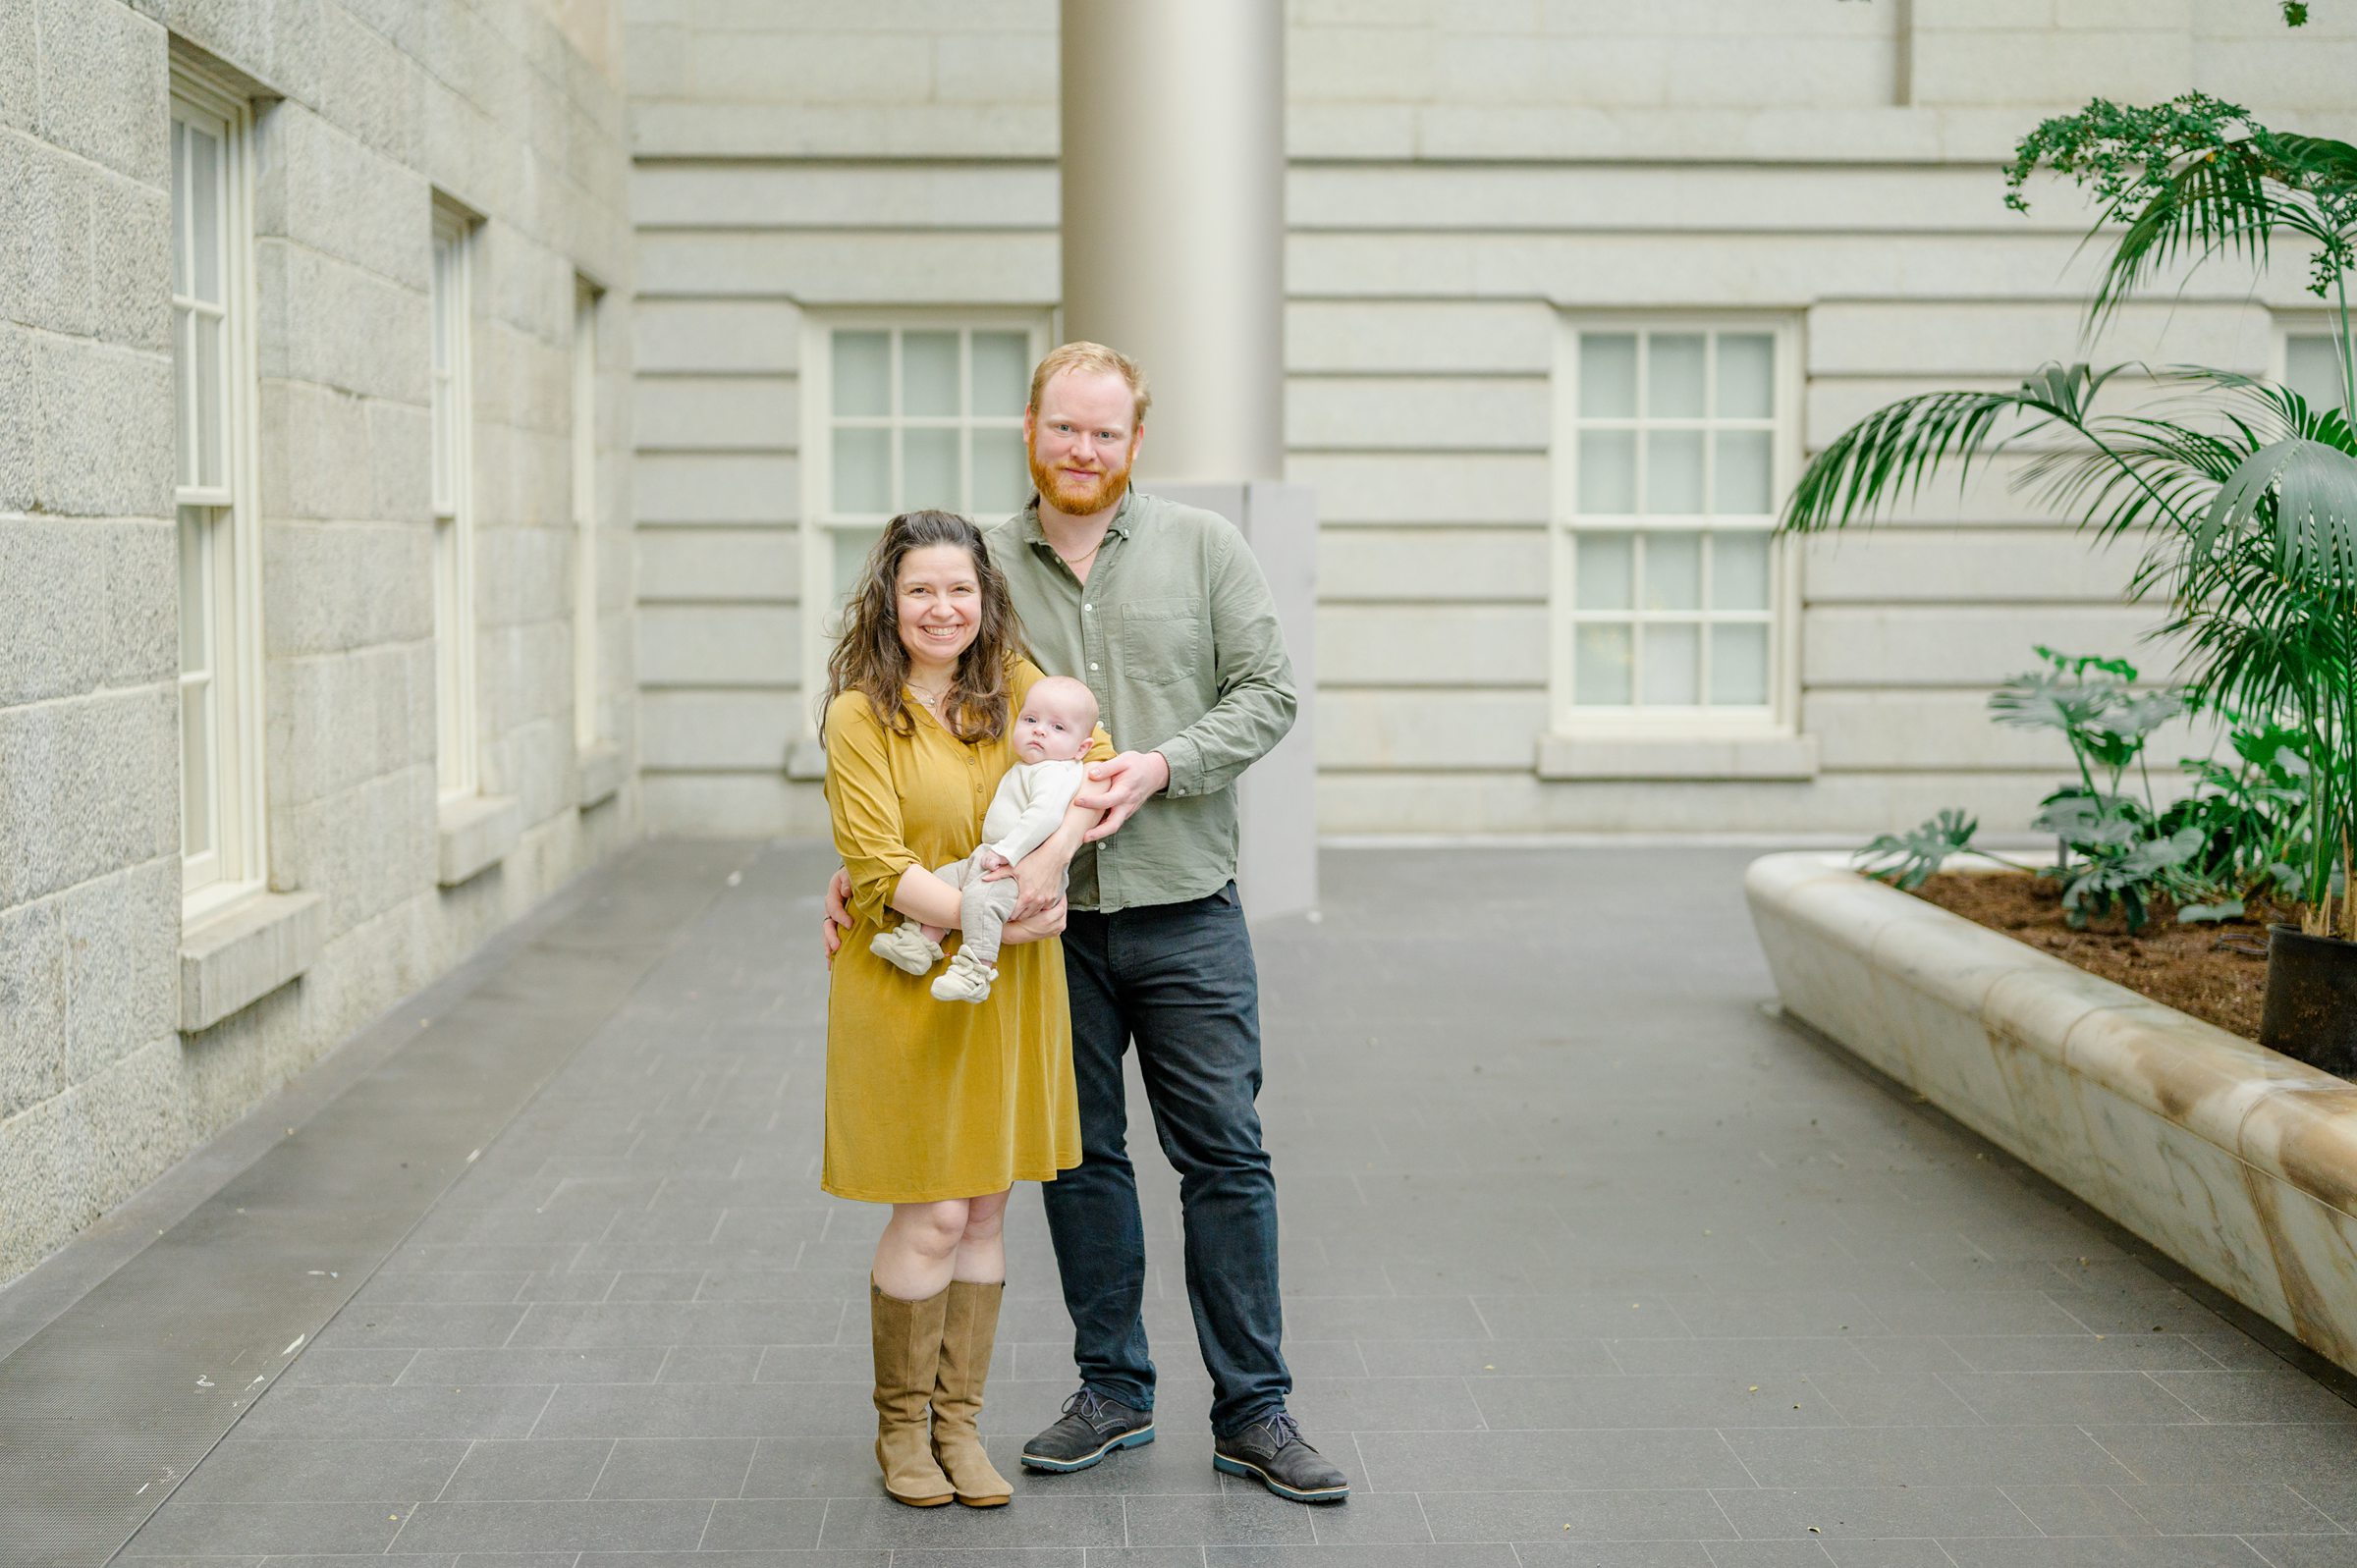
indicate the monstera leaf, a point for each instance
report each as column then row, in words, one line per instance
column 1909, row 858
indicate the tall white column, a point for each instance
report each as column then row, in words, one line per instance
column 1173, row 252
column 1173, row 219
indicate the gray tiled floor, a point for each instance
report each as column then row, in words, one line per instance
column 1588, row 1263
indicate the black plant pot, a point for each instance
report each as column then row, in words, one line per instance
column 2310, row 1010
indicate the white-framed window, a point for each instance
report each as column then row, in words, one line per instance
column 1675, row 441
column 222, row 812
column 586, row 720
column 901, row 412
column 453, row 443
column 2310, row 363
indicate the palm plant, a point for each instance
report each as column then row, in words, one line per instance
column 2245, row 499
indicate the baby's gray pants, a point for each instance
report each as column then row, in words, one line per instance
column 983, row 906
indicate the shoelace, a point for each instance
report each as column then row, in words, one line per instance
column 1286, row 1430
column 1087, row 1406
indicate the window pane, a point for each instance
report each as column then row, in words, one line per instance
column 1608, row 375
column 2312, row 369
column 198, row 832
column 184, row 405
column 1746, row 375
column 929, row 470
column 1673, row 375
column 1674, row 572
column 204, row 215
column 929, row 373
column 862, row 373
column 209, row 390
column 862, row 470
column 1740, row 664
column 444, row 453
column 180, row 207
column 1739, row 474
column 450, row 758
column 1601, row 666
column 439, row 308
column 1603, row 567
column 196, row 594
column 1739, row 570
column 850, row 547
column 1607, row 472
column 1002, row 374
column 1002, row 473
column 1673, row 666
column 1673, row 472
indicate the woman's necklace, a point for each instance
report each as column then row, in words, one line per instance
column 932, row 698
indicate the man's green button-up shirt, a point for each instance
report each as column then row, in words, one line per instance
column 1176, row 634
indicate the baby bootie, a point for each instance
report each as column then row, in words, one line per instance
column 967, row 979
column 906, row 946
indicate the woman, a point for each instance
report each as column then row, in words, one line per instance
column 936, row 1109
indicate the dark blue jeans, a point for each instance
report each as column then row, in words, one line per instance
column 1178, row 980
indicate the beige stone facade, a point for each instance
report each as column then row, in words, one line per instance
column 300, row 148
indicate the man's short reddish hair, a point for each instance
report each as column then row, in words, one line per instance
column 1093, row 357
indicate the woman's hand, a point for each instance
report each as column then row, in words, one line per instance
column 1049, row 922
column 839, row 913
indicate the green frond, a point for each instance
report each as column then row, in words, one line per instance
column 2299, row 493
column 1888, row 456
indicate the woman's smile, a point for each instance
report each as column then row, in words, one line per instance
column 939, row 598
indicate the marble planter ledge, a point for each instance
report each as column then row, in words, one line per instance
column 2239, row 1162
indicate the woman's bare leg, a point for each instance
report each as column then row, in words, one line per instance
column 981, row 1258
column 917, row 1253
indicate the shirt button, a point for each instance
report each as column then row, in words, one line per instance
column 1093, row 664
column 1087, row 608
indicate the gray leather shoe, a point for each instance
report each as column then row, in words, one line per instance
column 1092, row 1427
column 1273, row 1453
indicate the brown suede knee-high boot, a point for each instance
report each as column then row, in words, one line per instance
column 907, row 1345
column 970, row 1330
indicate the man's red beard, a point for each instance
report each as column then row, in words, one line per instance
column 1078, row 500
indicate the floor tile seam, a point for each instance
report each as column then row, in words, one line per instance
column 472, row 1443
column 2151, row 1377
column 603, row 1465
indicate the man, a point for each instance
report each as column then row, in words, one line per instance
column 1161, row 609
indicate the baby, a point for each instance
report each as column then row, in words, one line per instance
column 1052, row 733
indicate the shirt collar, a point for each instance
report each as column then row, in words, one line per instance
column 1122, row 521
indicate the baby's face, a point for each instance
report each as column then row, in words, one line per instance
column 1048, row 730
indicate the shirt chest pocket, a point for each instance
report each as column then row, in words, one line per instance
column 1162, row 640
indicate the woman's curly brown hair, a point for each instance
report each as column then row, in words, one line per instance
column 868, row 657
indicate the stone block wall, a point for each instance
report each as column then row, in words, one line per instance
column 362, row 110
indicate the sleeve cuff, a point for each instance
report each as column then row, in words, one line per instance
column 871, row 898
column 1187, row 767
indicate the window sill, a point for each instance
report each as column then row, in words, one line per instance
column 477, row 833
column 1769, row 756
column 234, row 957
column 601, row 771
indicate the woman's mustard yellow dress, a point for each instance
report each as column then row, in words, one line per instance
column 929, row 1100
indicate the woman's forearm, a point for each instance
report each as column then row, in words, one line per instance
column 927, row 899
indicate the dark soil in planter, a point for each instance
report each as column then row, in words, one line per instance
column 2216, row 972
